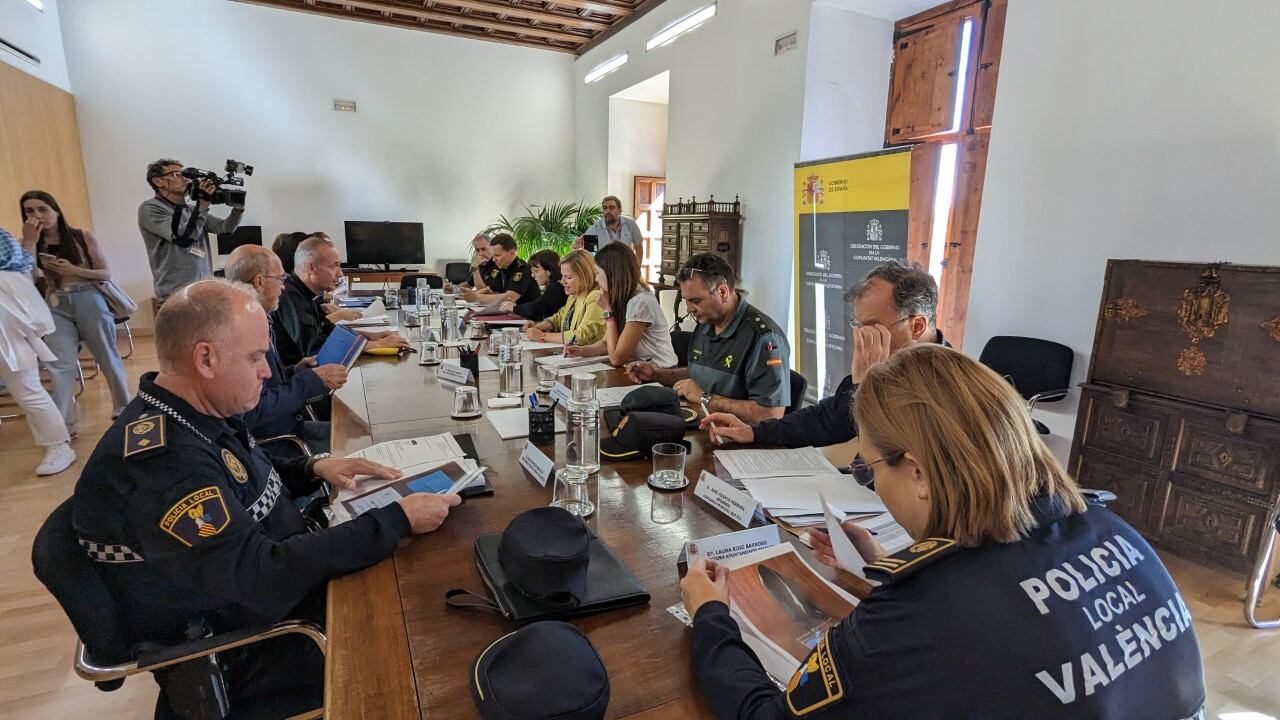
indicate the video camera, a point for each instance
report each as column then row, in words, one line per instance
column 222, row 195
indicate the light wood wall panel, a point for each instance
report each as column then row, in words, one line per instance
column 39, row 148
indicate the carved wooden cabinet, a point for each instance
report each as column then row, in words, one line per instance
column 693, row 227
column 1180, row 415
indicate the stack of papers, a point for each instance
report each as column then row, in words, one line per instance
column 375, row 314
column 749, row 464
column 410, row 456
column 592, row 368
column 611, row 397
column 799, row 499
column 560, row 361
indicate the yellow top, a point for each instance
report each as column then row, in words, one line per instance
column 581, row 319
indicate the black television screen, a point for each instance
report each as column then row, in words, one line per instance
column 385, row 243
column 243, row 235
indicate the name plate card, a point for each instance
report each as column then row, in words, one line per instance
column 561, row 393
column 454, row 374
column 731, row 545
column 724, row 497
column 536, row 463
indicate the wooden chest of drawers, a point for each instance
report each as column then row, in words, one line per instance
column 693, row 227
column 1180, row 416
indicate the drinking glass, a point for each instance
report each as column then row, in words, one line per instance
column 430, row 353
column 546, row 378
column 665, row 507
column 466, row 401
column 668, row 466
column 572, row 492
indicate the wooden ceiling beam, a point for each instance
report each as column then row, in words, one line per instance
column 376, row 6
column 526, row 14
column 600, row 7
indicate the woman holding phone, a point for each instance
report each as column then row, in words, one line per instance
column 73, row 263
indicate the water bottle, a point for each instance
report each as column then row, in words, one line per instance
column 450, row 329
column 510, row 365
column 391, row 298
column 583, row 447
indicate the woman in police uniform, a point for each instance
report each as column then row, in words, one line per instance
column 1018, row 600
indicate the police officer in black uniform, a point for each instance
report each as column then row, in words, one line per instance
column 194, row 523
column 894, row 306
column 1018, row 600
column 508, row 278
column 738, row 357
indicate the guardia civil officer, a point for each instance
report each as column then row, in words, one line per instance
column 508, row 278
column 737, row 356
column 1018, row 599
column 894, row 306
column 191, row 522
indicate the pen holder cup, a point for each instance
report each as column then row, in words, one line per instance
column 470, row 360
column 542, row 425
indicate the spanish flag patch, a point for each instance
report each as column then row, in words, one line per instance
column 773, row 361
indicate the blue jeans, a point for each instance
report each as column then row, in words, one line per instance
column 82, row 316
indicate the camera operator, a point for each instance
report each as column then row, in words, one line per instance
column 175, row 231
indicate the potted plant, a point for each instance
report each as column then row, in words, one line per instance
column 554, row 225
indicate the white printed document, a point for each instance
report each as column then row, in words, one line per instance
column 745, row 464
column 611, row 397
column 592, row 368
column 805, row 493
column 408, row 454
column 560, row 361
column 375, row 314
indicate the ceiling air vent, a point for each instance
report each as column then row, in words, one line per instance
column 23, row 54
column 344, row 105
column 786, row 43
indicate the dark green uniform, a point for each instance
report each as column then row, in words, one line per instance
column 748, row 361
column 514, row 278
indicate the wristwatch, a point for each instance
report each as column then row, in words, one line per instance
column 706, row 397
column 608, row 315
column 311, row 463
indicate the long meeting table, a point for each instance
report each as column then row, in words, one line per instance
column 397, row 652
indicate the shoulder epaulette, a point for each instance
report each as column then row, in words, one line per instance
column 144, row 435
column 908, row 561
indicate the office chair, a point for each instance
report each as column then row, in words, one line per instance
column 457, row 272
column 1261, row 569
column 410, row 280
column 1040, row 370
column 105, row 653
column 680, row 340
column 128, row 333
column 798, row 386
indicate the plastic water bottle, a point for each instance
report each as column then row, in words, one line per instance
column 583, row 447
column 510, row 365
column 450, row 330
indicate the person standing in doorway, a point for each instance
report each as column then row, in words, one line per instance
column 614, row 227
column 73, row 263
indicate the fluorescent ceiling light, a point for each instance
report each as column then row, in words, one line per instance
column 39, row 4
column 680, row 27
column 605, row 68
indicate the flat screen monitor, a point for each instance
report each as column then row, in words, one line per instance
column 385, row 243
column 243, row 235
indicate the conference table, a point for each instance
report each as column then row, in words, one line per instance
column 397, row 652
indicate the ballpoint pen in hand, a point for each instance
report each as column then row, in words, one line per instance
column 711, row 427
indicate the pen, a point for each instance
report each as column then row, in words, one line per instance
column 533, row 400
column 711, row 428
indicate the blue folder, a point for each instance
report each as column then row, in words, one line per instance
column 342, row 347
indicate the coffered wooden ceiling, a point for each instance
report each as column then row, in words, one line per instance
column 572, row 26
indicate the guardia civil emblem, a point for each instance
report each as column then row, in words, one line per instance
column 728, row 360
column 235, row 467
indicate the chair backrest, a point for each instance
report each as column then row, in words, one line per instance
column 457, row 272
column 410, row 280
column 1032, row 365
column 680, row 340
column 798, row 386
column 73, row 579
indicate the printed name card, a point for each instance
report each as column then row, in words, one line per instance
column 561, row 393
column 731, row 545
column 454, row 374
column 729, row 500
column 536, row 463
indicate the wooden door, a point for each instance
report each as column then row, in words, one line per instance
column 647, row 197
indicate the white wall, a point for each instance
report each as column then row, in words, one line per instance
column 451, row 132
column 733, row 124
column 637, row 146
column 36, row 32
column 846, row 88
column 1122, row 133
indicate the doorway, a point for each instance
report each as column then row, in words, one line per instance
column 638, row 159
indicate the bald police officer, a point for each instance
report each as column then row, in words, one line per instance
column 191, row 521
column 738, row 357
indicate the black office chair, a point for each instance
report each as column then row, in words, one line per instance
column 457, row 272
column 410, row 280
column 105, row 653
column 680, row 340
column 1040, row 370
column 1261, row 570
column 798, row 386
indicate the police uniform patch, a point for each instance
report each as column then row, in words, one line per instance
column 728, row 360
column 516, row 277
column 906, row 562
column 198, row 516
column 493, row 273
column 816, row 684
column 235, row 467
column 144, row 434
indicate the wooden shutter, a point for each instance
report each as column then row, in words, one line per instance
column 953, row 299
column 922, row 85
column 988, row 70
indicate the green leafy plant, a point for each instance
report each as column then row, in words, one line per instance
column 554, row 226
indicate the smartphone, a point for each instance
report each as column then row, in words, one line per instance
column 47, row 257
column 590, row 243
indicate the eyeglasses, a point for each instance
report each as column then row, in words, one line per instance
column 278, row 278
column 864, row 473
column 855, row 324
column 171, row 173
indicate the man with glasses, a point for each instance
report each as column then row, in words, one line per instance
column 737, row 356
column 176, row 232
column 894, row 306
column 286, row 394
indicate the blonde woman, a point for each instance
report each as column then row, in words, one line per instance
column 1018, row 600
column 581, row 320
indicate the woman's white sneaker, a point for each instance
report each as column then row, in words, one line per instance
column 56, row 459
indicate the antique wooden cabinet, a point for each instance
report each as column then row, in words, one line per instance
column 693, row 227
column 1180, row 414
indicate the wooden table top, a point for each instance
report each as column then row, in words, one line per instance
column 397, row 651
